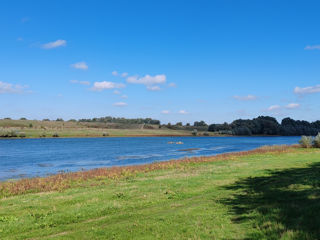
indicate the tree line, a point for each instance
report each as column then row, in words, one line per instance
column 265, row 125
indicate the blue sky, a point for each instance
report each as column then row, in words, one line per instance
column 170, row 60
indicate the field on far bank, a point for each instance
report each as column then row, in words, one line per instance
column 262, row 194
column 36, row 129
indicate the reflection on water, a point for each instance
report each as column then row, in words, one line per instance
column 40, row 157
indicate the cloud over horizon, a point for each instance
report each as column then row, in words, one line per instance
column 7, row 88
column 120, row 104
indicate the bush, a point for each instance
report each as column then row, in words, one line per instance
column 206, row 134
column 316, row 141
column 42, row 135
column 22, row 135
column 30, row 125
column 8, row 134
column 306, row 142
column 105, row 134
column 195, row 132
column 55, row 135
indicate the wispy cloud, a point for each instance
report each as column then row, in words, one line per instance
column 312, row 47
column 147, row 79
column 172, row 84
column 11, row 88
column 307, row 90
column 55, row 44
column 165, row 112
column 183, row 112
column 124, row 96
column 153, row 88
column 80, row 82
column 115, row 73
column 116, row 92
column 120, row 104
column 125, row 74
column 99, row 86
column 80, row 65
column 292, row 106
column 274, row 108
column 245, row 98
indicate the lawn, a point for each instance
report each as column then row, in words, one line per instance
column 268, row 195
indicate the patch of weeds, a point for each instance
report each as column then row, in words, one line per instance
column 8, row 219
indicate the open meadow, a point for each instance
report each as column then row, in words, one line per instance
column 42, row 129
column 269, row 193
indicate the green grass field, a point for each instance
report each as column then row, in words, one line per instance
column 36, row 129
column 256, row 196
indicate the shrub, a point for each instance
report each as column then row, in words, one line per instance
column 105, row 134
column 306, row 142
column 316, row 141
column 195, row 132
column 30, row 125
column 55, row 135
column 43, row 135
column 22, row 135
column 206, row 134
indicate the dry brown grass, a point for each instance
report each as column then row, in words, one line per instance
column 62, row 181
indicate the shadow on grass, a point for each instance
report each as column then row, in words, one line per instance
column 283, row 205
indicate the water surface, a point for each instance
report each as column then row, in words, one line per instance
column 40, row 157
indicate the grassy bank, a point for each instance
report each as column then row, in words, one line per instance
column 270, row 193
column 37, row 129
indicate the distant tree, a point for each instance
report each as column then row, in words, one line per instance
column 188, row 124
column 23, row 118
column 46, row 120
column 200, row 124
column 179, row 124
column 59, row 120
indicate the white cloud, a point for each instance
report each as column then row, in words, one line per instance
column 293, row 105
column 312, row 47
column 55, row 44
column 115, row 73
column 153, row 88
column 245, row 98
column 172, row 84
column 307, row 90
column 147, row 79
column 116, row 92
column 165, row 112
column 19, row 39
column 80, row 65
column 124, row 74
column 274, row 108
column 99, row 86
column 11, row 88
column 124, row 96
column 120, row 104
column 183, row 112
column 80, row 82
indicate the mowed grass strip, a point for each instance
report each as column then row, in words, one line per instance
column 262, row 195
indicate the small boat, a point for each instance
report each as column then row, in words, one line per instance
column 179, row 142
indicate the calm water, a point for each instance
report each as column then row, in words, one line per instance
column 40, row 157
